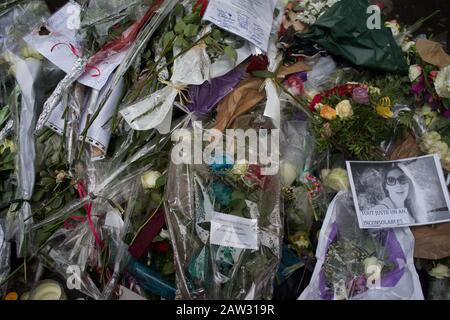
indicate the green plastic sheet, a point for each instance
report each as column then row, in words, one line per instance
column 343, row 31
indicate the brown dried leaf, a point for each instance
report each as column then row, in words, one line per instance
column 432, row 52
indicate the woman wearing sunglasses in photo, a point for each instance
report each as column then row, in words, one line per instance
column 402, row 191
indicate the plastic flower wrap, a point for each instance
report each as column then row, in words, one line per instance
column 358, row 264
column 225, row 224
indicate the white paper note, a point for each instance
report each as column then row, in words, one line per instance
column 231, row 231
column 249, row 19
column 61, row 47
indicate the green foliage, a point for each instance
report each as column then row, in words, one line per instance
column 406, row 119
column 231, row 52
column 358, row 137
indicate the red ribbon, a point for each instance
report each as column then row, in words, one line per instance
column 203, row 4
column 81, row 188
column 76, row 54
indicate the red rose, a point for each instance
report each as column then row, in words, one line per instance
column 317, row 99
column 258, row 63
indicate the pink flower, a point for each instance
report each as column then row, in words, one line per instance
column 295, row 84
column 417, row 87
column 361, row 95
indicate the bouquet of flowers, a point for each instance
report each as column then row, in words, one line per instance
column 362, row 264
column 225, row 222
column 354, row 119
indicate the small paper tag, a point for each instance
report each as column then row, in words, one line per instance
column 231, row 231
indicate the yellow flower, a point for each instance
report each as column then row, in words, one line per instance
column 344, row 109
column 384, row 108
column 385, row 112
column 328, row 113
column 300, row 241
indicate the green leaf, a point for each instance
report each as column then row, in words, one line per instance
column 47, row 182
column 168, row 38
column 178, row 10
column 192, row 18
column 276, row 12
column 216, row 34
column 191, row 30
column 4, row 112
column 264, row 74
column 37, row 196
column 181, row 42
column 161, row 181
column 238, row 204
column 156, row 197
column 237, row 195
column 209, row 41
column 231, row 52
column 57, row 203
column 179, row 27
column 167, row 269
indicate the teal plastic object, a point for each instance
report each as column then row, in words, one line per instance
column 151, row 280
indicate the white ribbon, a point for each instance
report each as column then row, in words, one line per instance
column 156, row 111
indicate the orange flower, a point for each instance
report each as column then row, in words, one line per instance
column 328, row 113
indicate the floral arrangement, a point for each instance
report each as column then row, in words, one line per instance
column 431, row 87
column 354, row 119
column 234, row 190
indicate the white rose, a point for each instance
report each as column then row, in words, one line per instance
column 406, row 46
column 440, row 272
column 442, row 83
column 371, row 264
column 446, row 161
column 344, row 109
column 439, row 148
column 429, row 140
column 149, row 178
column 414, row 72
column 288, row 172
